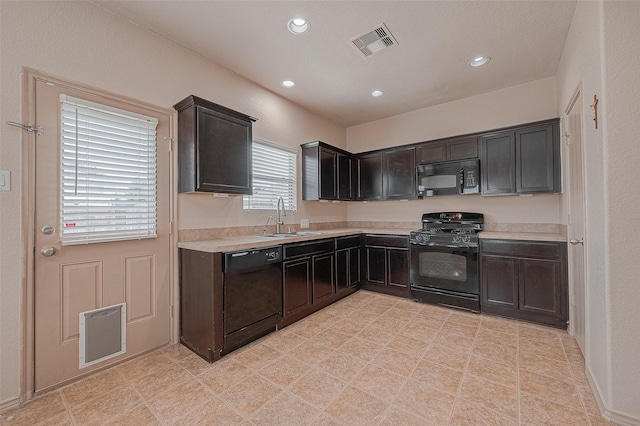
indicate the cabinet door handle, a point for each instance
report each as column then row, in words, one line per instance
column 576, row 241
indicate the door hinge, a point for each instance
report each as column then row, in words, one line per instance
column 171, row 311
column 170, row 228
column 28, row 127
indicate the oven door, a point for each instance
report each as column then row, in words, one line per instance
column 453, row 269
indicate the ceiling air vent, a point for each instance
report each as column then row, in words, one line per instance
column 375, row 41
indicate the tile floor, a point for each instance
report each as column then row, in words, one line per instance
column 369, row 359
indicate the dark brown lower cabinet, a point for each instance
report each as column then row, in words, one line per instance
column 296, row 285
column 386, row 264
column 322, row 277
column 201, row 306
column 308, row 279
column 347, row 258
column 525, row 280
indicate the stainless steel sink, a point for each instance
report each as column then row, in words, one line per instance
column 291, row 234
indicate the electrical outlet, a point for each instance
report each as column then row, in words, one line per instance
column 5, row 180
column 304, row 223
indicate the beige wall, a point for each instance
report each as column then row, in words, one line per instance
column 621, row 95
column 580, row 65
column 80, row 42
column 601, row 54
column 514, row 105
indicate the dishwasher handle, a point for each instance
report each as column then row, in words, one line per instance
column 251, row 259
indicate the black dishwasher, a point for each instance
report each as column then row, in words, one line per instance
column 252, row 294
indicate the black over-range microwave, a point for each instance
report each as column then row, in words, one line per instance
column 448, row 178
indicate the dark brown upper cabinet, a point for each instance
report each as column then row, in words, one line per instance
column 369, row 176
column 399, row 173
column 538, row 159
column 389, row 174
column 327, row 172
column 214, row 148
column 498, row 163
column 521, row 160
column 447, row 150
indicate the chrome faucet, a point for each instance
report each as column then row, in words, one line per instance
column 280, row 213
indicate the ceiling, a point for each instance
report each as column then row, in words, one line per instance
column 428, row 66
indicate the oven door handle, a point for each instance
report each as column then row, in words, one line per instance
column 443, row 245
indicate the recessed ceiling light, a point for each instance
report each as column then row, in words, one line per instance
column 377, row 93
column 479, row 61
column 288, row 83
column 298, row 25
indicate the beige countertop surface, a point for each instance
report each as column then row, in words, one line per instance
column 527, row 236
column 255, row 241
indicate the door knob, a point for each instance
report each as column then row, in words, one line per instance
column 576, row 241
column 47, row 251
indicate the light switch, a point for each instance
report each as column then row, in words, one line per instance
column 5, row 180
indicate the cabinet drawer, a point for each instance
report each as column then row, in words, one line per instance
column 348, row 242
column 302, row 249
column 517, row 248
column 387, row 240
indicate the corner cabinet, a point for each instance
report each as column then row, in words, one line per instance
column 525, row 280
column 214, row 148
column 327, row 172
column 347, row 257
column 521, row 160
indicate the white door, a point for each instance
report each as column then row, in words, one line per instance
column 71, row 278
column 576, row 231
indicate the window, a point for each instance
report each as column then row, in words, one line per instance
column 274, row 175
column 108, row 173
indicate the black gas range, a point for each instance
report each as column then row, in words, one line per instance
column 444, row 260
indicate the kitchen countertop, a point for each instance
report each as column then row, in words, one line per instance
column 526, row 236
column 254, row 241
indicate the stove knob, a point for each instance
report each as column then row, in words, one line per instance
column 456, row 239
column 466, row 239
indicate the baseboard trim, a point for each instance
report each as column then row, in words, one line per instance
column 610, row 415
column 9, row 404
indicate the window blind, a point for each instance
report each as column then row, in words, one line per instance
column 108, row 173
column 274, row 175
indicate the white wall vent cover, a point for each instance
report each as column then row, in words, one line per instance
column 375, row 41
column 103, row 334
